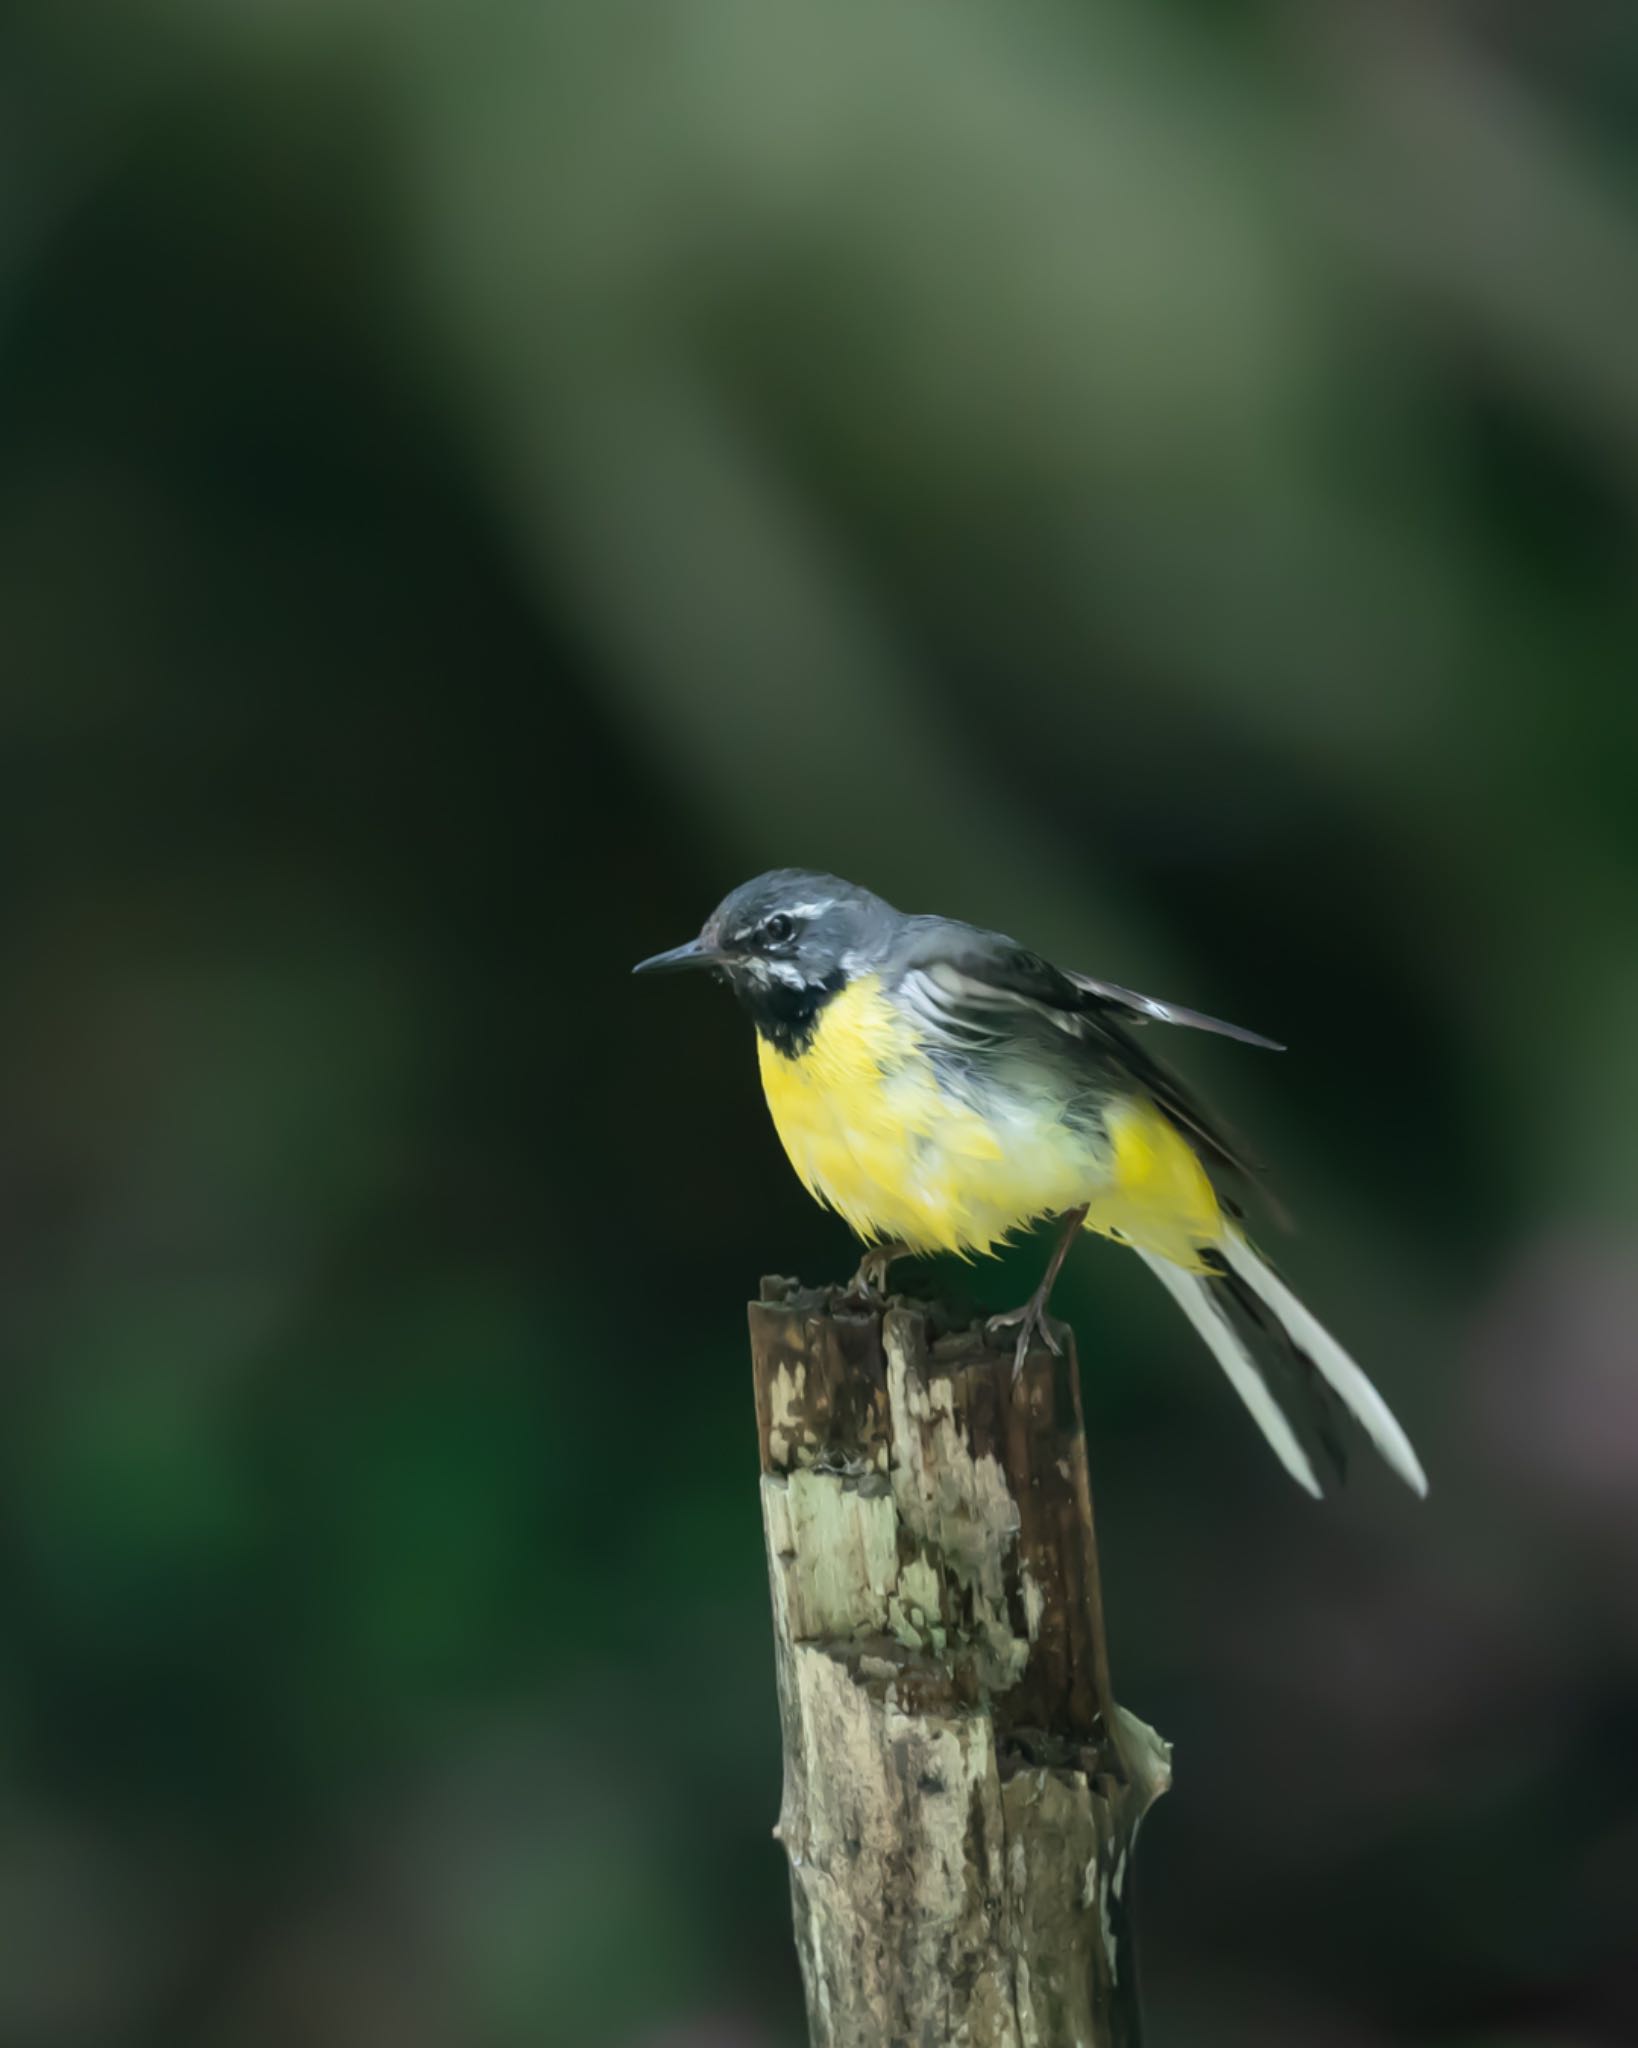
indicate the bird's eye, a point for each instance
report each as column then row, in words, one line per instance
column 776, row 930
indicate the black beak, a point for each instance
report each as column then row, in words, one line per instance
column 695, row 954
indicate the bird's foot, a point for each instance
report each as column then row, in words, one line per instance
column 1030, row 1322
column 1031, row 1318
column 869, row 1285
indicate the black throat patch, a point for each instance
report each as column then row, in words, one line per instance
column 787, row 1017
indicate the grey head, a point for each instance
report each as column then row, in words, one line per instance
column 786, row 943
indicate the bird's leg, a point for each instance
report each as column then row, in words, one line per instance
column 1032, row 1316
column 869, row 1284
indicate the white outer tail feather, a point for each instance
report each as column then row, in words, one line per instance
column 1193, row 1294
column 1196, row 1296
column 1328, row 1358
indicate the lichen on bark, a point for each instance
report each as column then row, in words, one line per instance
column 961, row 1795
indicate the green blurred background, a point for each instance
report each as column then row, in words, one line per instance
column 481, row 479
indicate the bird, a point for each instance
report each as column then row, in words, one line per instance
column 942, row 1087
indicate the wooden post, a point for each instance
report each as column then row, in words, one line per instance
column 961, row 1794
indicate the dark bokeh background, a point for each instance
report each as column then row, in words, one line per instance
column 477, row 480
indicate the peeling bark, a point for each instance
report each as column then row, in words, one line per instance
column 961, row 1794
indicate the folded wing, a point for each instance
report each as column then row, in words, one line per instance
column 974, row 989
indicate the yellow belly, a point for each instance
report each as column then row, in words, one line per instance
column 872, row 1134
column 1154, row 1193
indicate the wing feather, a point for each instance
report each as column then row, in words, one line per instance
column 971, row 989
column 1142, row 1009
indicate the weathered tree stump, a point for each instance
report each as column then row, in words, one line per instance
column 961, row 1794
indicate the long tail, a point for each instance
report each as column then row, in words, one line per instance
column 1265, row 1304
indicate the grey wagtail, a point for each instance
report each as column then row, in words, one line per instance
column 941, row 1087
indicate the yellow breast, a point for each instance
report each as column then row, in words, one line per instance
column 872, row 1133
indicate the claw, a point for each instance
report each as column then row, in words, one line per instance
column 1032, row 1316
column 1030, row 1322
column 869, row 1285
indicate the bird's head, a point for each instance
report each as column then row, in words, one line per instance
column 785, row 943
